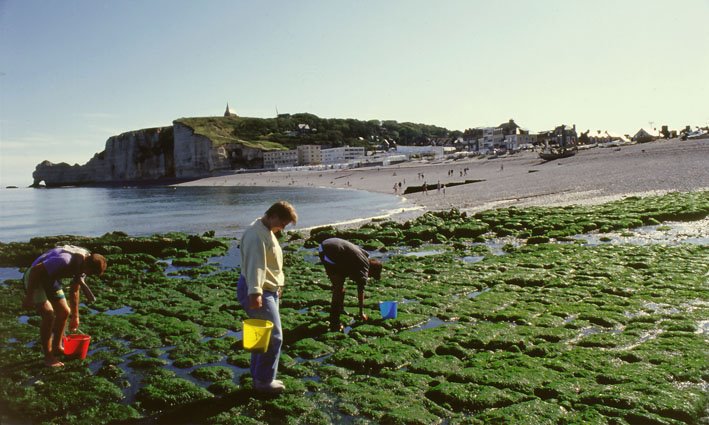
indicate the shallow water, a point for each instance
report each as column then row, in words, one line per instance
column 90, row 211
column 9, row 273
column 119, row 311
column 669, row 233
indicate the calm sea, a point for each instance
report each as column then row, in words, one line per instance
column 137, row 211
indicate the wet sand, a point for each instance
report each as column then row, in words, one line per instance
column 594, row 175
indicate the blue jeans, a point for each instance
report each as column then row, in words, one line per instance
column 264, row 366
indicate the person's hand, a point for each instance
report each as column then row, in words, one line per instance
column 280, row 292
column 363, row 316
column 74, row 324
column 255, row 301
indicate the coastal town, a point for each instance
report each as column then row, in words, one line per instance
column 506, row 138
column 201, row 147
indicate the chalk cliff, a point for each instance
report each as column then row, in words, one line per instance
column 197, row 156
column 150, row 155
column 133, row 156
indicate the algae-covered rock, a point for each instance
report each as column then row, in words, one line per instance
column 213, row 373
column 550, row 332
column 473, row 397
column 309, row 348
column 170, row 392
column 375, row 356
column 532, row 412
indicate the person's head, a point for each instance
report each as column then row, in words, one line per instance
column 375, row 268
column 95, row 264
column 279, row 215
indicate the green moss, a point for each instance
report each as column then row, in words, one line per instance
column 213, row 373
column 170, row 392
column 310, row 348
column 532, row 412
column 604, row 334
column 472, row 397
column 379, row 354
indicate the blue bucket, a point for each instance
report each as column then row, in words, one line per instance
column 388, row 309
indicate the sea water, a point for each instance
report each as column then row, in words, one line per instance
column 138, row 211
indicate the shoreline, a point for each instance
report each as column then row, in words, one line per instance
column 592, row 176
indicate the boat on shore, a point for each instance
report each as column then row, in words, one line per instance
column 550, row 154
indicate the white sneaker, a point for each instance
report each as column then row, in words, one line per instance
column 274, row 386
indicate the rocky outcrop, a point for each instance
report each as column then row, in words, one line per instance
column 140, row 155
column 150, row 155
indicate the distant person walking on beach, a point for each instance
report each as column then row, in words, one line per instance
column 44, row 293
column 260, row 287
column 343, row 259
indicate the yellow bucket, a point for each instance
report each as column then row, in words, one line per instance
column 257, row 333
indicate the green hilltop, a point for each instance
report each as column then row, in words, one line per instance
column 287, row 131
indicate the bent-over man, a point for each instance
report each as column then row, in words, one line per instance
column 343, row 259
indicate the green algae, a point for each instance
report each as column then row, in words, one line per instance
column 557, row 333
column 164, row 393
column 213, row 373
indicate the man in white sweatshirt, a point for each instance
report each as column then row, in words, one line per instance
column 260, row 286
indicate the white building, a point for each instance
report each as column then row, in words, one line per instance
column 435, row 151
column 342, row 155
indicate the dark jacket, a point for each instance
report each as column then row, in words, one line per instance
column 346, row 259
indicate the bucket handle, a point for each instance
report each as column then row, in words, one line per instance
column 76, row 331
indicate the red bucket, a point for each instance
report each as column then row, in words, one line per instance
column 76, row 345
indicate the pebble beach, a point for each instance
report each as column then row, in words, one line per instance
column 592, row 176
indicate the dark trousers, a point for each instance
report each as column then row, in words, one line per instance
column 338, row 300
column 338, row 293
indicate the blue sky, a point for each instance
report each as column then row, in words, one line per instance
column 74, row 73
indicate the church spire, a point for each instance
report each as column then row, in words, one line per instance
column 229, row 112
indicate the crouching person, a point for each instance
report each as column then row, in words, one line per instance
column 44, row 292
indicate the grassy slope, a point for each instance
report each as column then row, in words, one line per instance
column 224, row 130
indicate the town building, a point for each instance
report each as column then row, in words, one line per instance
column 410, row 151
column 343, row 154
column 506, row 136
column 563, row 136
column 309, row 155
column 599, row 137
column 280, row 159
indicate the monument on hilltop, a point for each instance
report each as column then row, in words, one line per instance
column 229, row 112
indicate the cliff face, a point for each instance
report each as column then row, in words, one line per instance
column 133, row 156
column 196, row 155
column 149, row 155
